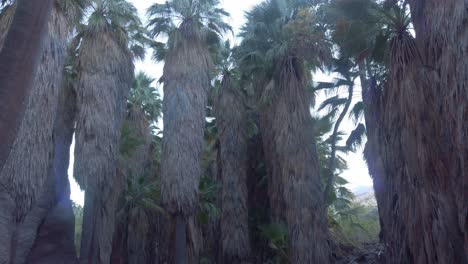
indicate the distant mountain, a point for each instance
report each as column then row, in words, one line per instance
column 362, row 189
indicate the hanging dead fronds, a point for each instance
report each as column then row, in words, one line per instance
column 232, row 154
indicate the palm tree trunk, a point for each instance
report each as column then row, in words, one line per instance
column 414, row 150
column 105, row 76
column 258, row 194
column 54, row 243
column 186, row 82
column 443, row 42
column 230, row 122
column 19, row 58
column 29, row 168
column 293, row 164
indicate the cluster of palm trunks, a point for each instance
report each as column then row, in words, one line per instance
column 417, row 153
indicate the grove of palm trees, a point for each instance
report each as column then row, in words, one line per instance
column 238, row 150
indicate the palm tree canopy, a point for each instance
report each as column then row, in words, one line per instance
column 145, row 96
column 120, row 18
column 184, row 19
column 277, row 29
column 363, row 28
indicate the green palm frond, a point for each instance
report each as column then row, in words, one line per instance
column 146, row 97
column 276, row 30
column 120, row 18
column 142, row 193
column 208, row 190
column 357, row 112
column 332, row 102
column 176, row 19
column 356, row 137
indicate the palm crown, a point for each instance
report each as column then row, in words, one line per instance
column 146, row 97
column 120, row 18
column 182, row 19
column 278, row 29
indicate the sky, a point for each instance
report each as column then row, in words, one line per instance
column 357, row 173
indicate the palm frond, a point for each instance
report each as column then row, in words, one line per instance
column 357, row 112
column 332, row 102
column 356, row 137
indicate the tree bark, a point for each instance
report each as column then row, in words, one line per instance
column 19, row 58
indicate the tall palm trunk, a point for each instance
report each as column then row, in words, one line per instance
column 444, row 44
column 28, row 172
column 105, row 76
column 19, row 59
column 413, row 130
column 230, row 122
column 186, row 82
column 54, row 243
column 293, row 164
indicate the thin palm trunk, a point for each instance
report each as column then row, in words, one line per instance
column 19, row 59
column 105, row 76
column 230, row 122
column 293, row 164
column 29, row 168
column 186, row 82
column 334, row 137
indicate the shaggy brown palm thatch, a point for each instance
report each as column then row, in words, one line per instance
column 105, row 69
column 30, row 162
column 186, row 82
column 230, row 122
column 293, row 165
column 54, row 243
column 414, row 152
column 138, row 163
column 444, row 45
column 19, row 60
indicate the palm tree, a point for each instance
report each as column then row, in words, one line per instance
column 230, row 116
column 55, row 240
column 31, row 159
column 280, row 41
column 190, row 27
column 449, row 84
column 19, row 58
column 415, row 181
column 343, row 67
column 105, row 76
column 138, row 211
